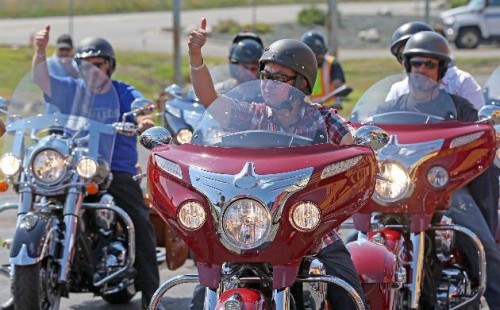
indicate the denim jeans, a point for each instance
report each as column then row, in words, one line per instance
column 465, row 212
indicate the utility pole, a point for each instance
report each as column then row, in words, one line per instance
column 332, row 27
column 70, row 17
column 177, row 48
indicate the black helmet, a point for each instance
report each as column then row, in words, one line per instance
column 294, row 55
column 96, row 47
column 247, row 35
column 246, row 51
column 316, row 41
column 404, row 32
column 428, row 44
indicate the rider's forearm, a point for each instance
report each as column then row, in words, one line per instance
column 202, row 80
column 40, row 71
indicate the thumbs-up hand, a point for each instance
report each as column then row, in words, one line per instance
column 42, row 40
column 198, row 38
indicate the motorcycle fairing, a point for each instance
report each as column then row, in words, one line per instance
column 463, row 163
column 337, row 196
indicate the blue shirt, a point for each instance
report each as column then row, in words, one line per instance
column 125, row 155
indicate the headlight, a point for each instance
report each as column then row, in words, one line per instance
column 392, row 182
column 86, row 167
column 184, row 136
column 449, row 21
column 9, row 164
column 246, row 223
column 437, row 176
column 305, row 216
column 192, row 215
column 49, row 166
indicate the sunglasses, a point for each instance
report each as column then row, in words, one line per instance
column 266, row 75
column 95, row 64
column 429, row 64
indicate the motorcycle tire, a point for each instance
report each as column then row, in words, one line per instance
column 121, row 297
column 29, row 283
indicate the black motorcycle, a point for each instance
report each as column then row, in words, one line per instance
column 70, row 237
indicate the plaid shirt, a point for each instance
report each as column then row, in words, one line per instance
column 258, row 116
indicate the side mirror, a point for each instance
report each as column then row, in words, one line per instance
column 490, row 113
column 174, row 91
column 155, row 136
column 372, row 136
column 142, row 106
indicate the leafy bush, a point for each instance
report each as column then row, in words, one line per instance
column 230, row 26
column 312, row 16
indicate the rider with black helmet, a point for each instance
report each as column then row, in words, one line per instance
column 98, row 52
column 244, row 54
column 330, row 75
column 96, row 47
column 293, row 63
column 427, row 53
column 455, row 81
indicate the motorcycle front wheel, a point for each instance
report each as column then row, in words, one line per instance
column 35, row 286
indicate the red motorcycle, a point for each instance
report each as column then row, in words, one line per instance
column 253, row 205
column 407, row 256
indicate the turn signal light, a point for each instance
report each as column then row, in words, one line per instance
column 92, row 188
column 4, row 186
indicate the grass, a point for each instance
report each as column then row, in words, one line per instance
column 152, row 72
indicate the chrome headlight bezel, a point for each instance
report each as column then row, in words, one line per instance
column 57, row 164
column 9, row 164
column 393, row 182
column 254, row 215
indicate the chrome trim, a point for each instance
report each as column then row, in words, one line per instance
column 281, row 298
column 23, row 259
column 271, row 190
column 193, row 278
column 167, row 285
column 417, row 266
column 408, row 156
column 131, row 241
column 71, row 211
column 481, row 259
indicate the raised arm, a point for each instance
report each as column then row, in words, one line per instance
column 39, row 67
column 200, row 76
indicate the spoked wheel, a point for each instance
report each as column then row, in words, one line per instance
column 36, row 286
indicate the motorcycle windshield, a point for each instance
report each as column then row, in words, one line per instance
column 81, row 110
column 261, row 114
column 492, row 89
column 422, row 102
